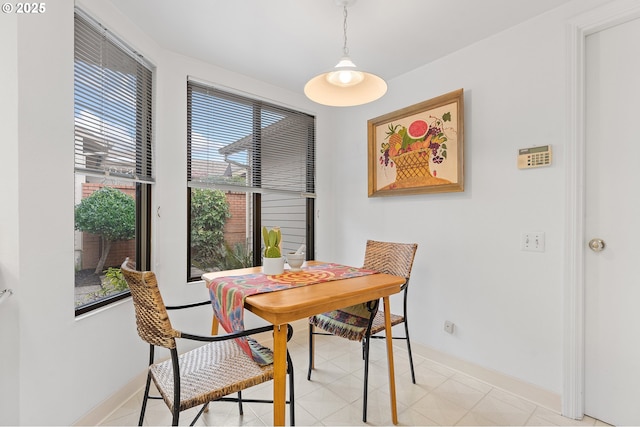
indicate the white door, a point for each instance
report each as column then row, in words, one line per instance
column 612, row 275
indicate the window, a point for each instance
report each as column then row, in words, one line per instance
column 250, row 163
column 113, row 163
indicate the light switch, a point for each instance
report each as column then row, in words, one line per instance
column 532, row 241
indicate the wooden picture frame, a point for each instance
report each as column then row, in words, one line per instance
column 418, row 149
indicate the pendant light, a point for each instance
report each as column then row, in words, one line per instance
column 345, row 85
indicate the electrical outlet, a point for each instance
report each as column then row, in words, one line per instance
column 449, row 327
column 532, row 241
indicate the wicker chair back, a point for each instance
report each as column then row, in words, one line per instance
column 389, row 257
column 152, row 320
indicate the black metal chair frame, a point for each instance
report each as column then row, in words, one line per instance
column 372, row 307
column 401, row 261
column 405, row 289
column 176, row 371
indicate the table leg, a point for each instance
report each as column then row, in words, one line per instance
column 279, row 373
column 214, row 325
column 392, row 379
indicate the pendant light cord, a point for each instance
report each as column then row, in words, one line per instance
column 345, row 49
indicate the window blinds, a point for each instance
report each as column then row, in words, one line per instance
column 242, row 144
column 113, row 105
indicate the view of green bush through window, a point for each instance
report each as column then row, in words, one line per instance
column 105, row 220
column 209, row 213
column 110, row 214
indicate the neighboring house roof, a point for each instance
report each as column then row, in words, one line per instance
column 269, row 132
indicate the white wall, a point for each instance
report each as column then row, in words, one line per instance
column 74, row 364
column 469, row 269
column 61, row 358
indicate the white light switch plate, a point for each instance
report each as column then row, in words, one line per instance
column 532, row 241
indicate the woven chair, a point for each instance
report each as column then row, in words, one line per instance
column 384, row 257
column 207, row 373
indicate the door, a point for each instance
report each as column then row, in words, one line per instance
column 612, row 267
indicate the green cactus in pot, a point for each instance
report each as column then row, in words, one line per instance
column 272, row 239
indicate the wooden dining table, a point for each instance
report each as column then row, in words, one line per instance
column 285, row 306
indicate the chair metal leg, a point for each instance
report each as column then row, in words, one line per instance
column 176, row 414
column 366, row 377
column 311, row 356
column 176, row 386
column 406, row 331
column 144, row 399
column 292, row 411
column 148, row 386
column 372, row 306
column 240, row 402
column 203, row 409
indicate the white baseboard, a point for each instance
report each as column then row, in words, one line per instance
column 528, row 391
column 101, row 412
column 525, row 390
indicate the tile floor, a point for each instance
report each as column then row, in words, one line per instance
column 441, row 396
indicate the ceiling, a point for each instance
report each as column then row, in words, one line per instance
column 286, row 42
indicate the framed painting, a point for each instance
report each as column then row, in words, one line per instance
column 418, row 149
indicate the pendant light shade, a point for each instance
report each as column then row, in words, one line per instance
column 345, row 85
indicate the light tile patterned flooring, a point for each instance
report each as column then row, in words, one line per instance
column 441, row 396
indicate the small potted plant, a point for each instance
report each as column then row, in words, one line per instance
column 272, row 261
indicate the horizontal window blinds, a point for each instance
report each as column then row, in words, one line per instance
column 242, row 144
column 113, row 105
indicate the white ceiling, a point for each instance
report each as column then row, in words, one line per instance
column 286, row 42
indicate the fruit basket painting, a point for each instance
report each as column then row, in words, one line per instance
column 418, row 149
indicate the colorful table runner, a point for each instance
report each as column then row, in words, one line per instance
column 228, row 295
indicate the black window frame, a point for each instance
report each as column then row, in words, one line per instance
column 94, row 44
column 255, row 187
